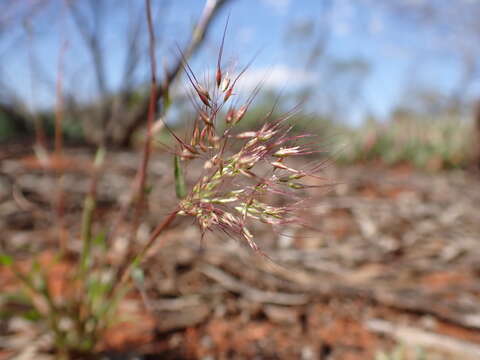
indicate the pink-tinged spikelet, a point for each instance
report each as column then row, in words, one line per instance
column 240, row 169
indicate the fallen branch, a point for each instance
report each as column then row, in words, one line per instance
column 260, row 296
column 418, row 337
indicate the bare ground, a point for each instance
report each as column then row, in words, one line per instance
column 392, row 257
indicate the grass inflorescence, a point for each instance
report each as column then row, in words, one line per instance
column 240, row 169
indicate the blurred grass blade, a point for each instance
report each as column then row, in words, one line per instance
column 100, row 240
column 99, row 157
column 180, row 188
column 6, row 260
column 167, row 101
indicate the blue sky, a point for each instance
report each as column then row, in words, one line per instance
column 399, row 56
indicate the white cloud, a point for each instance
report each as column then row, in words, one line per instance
column 279, row 6
column 277, row 77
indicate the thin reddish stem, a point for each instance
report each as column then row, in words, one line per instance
column 142, row 174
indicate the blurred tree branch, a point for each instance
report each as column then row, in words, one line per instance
column 137, row 118
column 120, row 119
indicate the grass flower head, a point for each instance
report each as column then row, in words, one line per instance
column 241, row 170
